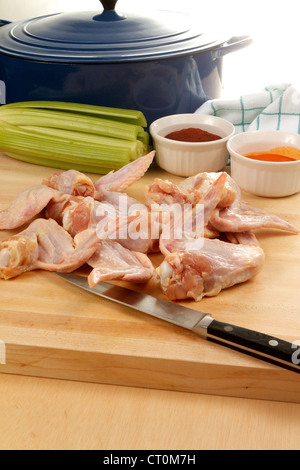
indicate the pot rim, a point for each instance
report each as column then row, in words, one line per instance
column 106, row 37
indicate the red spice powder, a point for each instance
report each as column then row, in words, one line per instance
column 192, row 134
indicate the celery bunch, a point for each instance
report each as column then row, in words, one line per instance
column 63, row 135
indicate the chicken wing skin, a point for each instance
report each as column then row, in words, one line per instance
column 198, row 268
column 112, row 261
column 44, row 245
column 232, row 220
column 71, row 182
column 26, row 205
column 124, row 177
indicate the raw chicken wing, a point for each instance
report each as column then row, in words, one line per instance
column 198, row 268
column 44, row 245
column 113, row 261
column 192, row 190
column 247, row 218
column 124, row 177
column 71, row 182
column 26, row 205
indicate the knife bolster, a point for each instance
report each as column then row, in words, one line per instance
column 201, row 328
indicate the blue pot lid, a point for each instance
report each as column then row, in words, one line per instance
column 106, row 36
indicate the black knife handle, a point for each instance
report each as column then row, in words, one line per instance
column 253, row 343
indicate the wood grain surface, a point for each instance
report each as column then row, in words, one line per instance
column 41, row 414
column 52, row 329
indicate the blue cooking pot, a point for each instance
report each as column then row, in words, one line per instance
column 162, row 64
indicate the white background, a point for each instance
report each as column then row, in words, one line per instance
column 274, row 25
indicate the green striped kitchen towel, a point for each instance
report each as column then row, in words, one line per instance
column 276, row 107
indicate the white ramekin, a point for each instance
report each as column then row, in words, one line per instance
column 190, row 158
column 267, row 179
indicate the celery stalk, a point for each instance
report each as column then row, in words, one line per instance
column 118, row 114
column 71, row 135
column 60, row 164
column 137, row 148
column 71, row 121
column 16, row 140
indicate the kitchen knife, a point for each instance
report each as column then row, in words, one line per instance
column 253, row 343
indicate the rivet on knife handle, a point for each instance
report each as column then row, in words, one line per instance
column 256, row 344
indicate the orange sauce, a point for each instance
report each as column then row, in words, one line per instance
column 278, row 154
column 269, row 157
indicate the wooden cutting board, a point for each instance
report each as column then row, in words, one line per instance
column 50, row 328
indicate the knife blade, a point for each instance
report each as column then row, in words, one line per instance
column 253, row 343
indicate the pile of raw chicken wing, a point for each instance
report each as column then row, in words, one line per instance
column 64, row 219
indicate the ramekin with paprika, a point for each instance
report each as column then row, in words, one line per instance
column 187, row 144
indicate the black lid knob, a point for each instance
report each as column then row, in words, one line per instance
column 108, row 4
